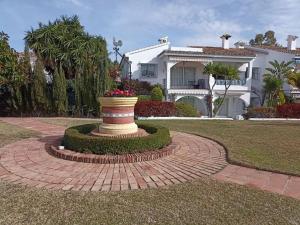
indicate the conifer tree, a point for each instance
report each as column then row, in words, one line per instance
column 25, row 88
column 60, row 101
column 39, row 87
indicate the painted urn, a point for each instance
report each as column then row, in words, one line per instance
column 118, row 113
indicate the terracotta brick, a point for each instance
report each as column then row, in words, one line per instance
column 37, row 162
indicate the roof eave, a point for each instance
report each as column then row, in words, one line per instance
column 164, row 53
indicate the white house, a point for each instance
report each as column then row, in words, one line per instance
column 265, row 54
column 180, row 71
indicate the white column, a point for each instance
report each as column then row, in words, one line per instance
column 168, row 77
column 249, row 79
column 168, row 81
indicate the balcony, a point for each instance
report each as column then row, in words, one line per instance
column 190, row 84
column 232, row 82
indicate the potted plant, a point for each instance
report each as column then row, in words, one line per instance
column 118, row 112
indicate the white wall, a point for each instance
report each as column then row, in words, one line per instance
column 148, row 55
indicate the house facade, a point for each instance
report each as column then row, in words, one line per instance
column 180, row 71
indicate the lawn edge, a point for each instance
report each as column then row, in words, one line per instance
column 238, row 163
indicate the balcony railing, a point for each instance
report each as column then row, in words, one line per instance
column 232, row 82
column 200, row 84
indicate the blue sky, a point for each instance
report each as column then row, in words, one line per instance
column 139, row 23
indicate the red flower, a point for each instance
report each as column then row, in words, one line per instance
column 119, row 93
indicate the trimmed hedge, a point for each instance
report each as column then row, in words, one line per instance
column 186, row 110
column 78, row 139
column 154, row 108
column 289, row 110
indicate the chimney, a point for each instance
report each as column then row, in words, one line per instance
column 225, row 41
column 240, row 44
column 291, row 42
column 163, row 40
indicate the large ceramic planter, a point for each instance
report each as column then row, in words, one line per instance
column 118, row 115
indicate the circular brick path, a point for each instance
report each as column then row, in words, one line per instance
column 27, row 162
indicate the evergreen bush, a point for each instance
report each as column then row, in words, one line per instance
column 157, row 94
column 185, row 110
column 78, row 139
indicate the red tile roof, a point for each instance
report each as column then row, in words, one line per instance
column 279, row 49
column 213, row 51
column 208, row 50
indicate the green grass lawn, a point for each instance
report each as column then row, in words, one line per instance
column 266, row 145
column 203, row 201
column 10, row 133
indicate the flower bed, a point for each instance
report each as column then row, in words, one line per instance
column 78, row 139
column 289, row 110
column 154, row 108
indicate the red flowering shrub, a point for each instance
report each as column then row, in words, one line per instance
column 119, row 93
column 289, row 110
column 154, row 108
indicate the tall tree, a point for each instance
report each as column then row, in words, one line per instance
column 39, row 93
column 65, row 43
column 268, row 39
column 11, row 77
column 258, row 40
column 25, row 88
column 59, row 85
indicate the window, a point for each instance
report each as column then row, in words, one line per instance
column 255, row 73
column 183, row 77
column 148, row 70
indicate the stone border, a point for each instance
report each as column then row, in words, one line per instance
column 183, row 118
column 274, row 119
column 110, row 159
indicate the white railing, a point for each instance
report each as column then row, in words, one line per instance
column 232, row 82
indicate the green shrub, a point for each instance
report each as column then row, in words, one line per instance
column 78, row 139
column 144, row 98
column 185, row 110
column 157, row 94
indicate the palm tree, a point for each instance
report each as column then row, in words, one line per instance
column 280, row 70
column 274, row 80
column 272, row 89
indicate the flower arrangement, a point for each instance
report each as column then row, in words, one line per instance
column 119, row 93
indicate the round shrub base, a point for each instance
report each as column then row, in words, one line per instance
column 79, row 139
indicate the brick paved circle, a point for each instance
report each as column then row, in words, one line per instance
column 27, row 162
